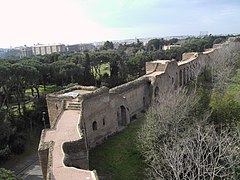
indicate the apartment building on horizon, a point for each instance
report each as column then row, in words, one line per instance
column 40, row 49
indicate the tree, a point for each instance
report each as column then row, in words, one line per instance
column 4, row 133
column 114, row 69
column 4, row 84
column 21, row 78
column 97, row 59
column 44, row 74
column 225, row 109
column 87, row 67
column 56, row 68
column 222, row 64
column 136, row 64
column 177, row 145
column 155, row 44
column 107, row 45
column 34, row 80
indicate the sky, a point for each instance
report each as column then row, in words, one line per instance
column 28, row 22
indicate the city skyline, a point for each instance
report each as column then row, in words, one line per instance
column 82, row 21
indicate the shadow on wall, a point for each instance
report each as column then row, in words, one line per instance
column 75, row 154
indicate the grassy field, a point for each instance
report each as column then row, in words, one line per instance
column 49, row 89
column 119, row 158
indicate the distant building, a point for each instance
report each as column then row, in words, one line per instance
column 167, row 47
column 26, row 51
column 48, row 49
column 16, row 52
column 80, row 47
column 2, row 52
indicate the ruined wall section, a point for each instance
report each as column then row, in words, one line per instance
column 188, row 55
column 55, row 106
column 56, row 103
column 45, row 156
column 134, row 97
column 99, row 117
column 163, row 81
column 106, row 112
column 154, row 66
column 226, row 51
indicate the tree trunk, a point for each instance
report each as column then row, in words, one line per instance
column 32, row 91
column 19, row 104
column 23, row 100
column 38, row 95
column 44, row 85
column 5, row 100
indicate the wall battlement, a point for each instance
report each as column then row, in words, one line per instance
column 82, row 117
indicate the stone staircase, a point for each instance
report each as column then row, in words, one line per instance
column 74, row 105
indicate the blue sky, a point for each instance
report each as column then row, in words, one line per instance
column 77, row 21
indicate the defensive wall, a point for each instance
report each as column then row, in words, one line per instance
column 83, row 117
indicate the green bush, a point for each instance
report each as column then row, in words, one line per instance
column 225, row 110
column 7, row 174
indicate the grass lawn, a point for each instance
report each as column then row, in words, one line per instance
column 49, row 89
column 118, row 158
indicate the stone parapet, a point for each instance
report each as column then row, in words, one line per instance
column 130, row 85
column 45, row 156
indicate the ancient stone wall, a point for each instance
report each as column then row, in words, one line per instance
column 106, row 111
column 166, row 80
column 109, row 111
column 135, row 97
column 56, row 103
column 55, row 108
column 45, row 156
column 98, row 117
column 188, row 55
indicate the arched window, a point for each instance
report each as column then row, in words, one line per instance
column 94, row 126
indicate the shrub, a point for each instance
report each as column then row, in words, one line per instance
column 7, row 174
column 224, row 109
